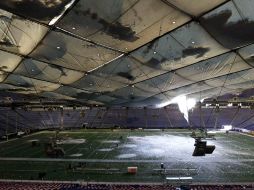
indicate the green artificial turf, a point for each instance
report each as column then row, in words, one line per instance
column 106, row 154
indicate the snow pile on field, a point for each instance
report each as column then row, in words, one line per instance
column 126, row 156
column 76, row 155
column 71, row 141
column 105, row 149
column 111, row 142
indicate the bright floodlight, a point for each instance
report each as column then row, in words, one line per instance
column 227, row 127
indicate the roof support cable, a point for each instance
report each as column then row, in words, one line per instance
column 166, row 113
column 202, row 122
column 93, row 117
column 235, row 115
column 216, row 110
column 244, row 121
column 77, row 122
column 103, row 116
column 27, row 126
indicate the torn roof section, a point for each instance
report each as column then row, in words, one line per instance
column 126, row 52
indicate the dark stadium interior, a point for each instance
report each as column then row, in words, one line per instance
column 126, row 94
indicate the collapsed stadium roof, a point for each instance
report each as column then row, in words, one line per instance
column 126, row 52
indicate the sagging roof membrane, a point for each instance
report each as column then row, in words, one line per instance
column 126, row 52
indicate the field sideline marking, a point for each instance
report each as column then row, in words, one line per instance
column 121, row 131
column 81, row 132
column 81, row 182
column 29, row 135
column 247, row 135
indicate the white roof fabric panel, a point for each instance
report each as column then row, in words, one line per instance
column 184, row 46
column 41, row 10
column 220, row 65
column 163, row 83
column 245, row 9
column 242, row 86
column 94, row 83
column 122, row 24
column 131, row 93
column 231, row 24
column 123, row 70
column 72, row 53
column 248, row 54
column 19, row 35
column 193, row 88
column 8, row 63
column 93, row 13
column 47, row 72
column 32, row 86
column 212, row 93
column 159, row 100
column 53, row 95
column 104, row 99
column 11, row 88
column 74, row 93
column 233, row 78
column 126, row 70
column 195, row 7
column 126, row 52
